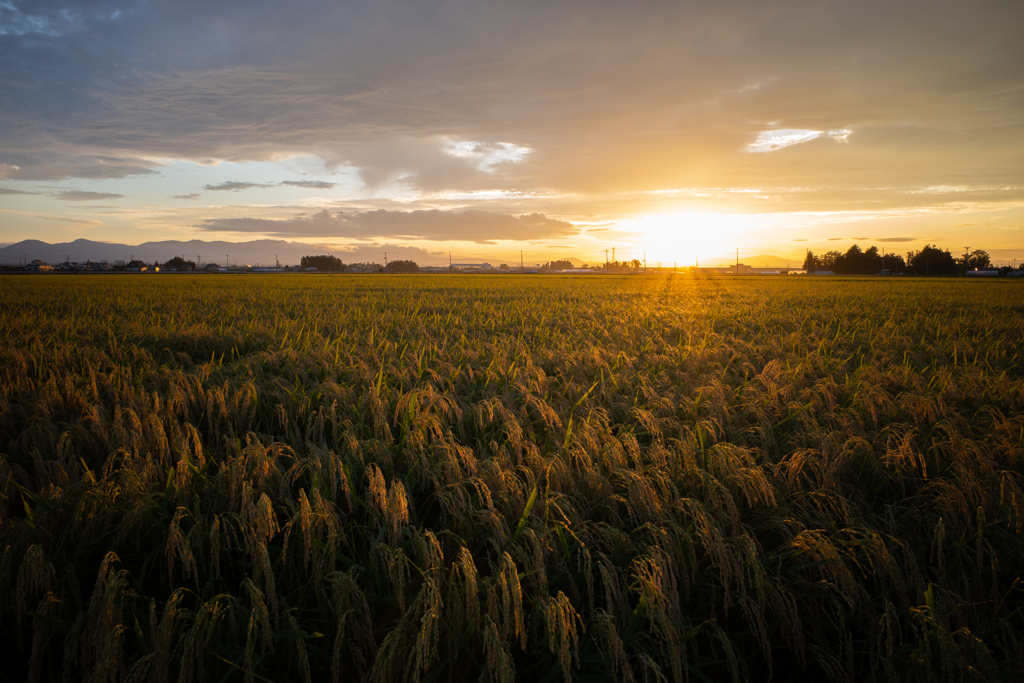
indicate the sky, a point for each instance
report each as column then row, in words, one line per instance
column 676, row 130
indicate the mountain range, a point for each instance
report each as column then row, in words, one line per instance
column 257, row 252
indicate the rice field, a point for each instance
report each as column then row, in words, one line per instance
column 445, row 478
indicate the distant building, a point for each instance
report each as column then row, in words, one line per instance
column 38, row 266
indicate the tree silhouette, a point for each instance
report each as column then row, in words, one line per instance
column 979, row 258
column 178, row 263
column 811, row 262
column 932, row 261
column 323, row 262
column 403, row 267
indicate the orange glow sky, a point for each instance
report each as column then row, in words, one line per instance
column 558, row 129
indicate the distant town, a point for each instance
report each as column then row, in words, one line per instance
column 928, row 261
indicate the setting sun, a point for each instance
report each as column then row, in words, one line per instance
column 688, row 237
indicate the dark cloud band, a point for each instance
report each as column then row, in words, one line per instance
column 84, row 196
column 234, row 186
column 467, row 226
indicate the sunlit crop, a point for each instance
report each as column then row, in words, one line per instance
column 510, row 478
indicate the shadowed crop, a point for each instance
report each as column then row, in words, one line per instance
column 461, row 479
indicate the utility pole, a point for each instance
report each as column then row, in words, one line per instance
column 606, row 257
column 613, row 255
column 522, row 269
column 277, row 264
column 385, row 260
column 226, row 260
column 967, row 251
column 449, row 260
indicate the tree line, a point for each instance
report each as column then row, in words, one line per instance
column 928, row 261
column 332, row 264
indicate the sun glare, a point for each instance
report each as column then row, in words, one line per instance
column 685, row 238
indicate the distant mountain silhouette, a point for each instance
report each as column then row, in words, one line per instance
column 263, row 252
column 757, row 261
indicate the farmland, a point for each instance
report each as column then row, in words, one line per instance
column 456, row 478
